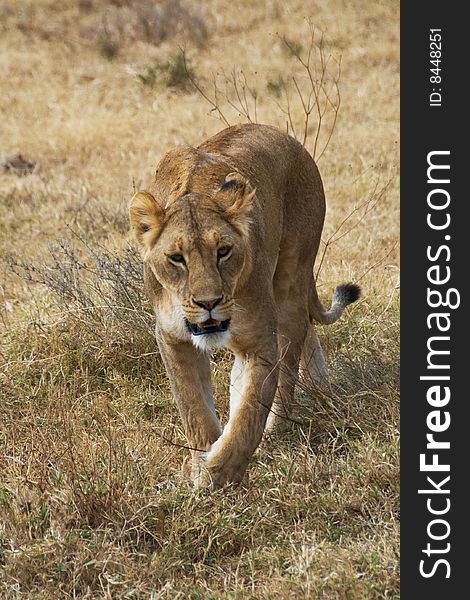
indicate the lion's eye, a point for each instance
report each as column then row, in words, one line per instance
column 223, row 251
column 177, row 258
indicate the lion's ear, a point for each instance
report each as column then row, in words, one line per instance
column 146, row 217
column 235, row 196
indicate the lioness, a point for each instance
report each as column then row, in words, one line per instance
column 229, row 233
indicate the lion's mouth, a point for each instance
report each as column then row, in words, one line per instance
column 209, row 326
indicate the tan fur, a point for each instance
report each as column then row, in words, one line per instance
column 258, row 191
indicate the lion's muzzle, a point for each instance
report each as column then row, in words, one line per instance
column 209, row 326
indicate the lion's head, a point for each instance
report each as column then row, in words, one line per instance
column 196, row 247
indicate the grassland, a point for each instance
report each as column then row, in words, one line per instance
column 93, row 499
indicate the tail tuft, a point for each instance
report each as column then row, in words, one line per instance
column 343, row 295
column 347, row 293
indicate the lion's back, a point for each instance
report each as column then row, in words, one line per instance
column 286, row 177
column 265, row 147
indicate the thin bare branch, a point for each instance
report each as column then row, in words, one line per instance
column 213, row 102
column 366, row 206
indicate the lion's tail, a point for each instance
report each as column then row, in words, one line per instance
column 343, row 295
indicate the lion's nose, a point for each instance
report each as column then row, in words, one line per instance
column 208, row 304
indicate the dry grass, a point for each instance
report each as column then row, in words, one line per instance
column 93, row 501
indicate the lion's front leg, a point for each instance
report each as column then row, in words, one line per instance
column 189, row 373
column 229, row 456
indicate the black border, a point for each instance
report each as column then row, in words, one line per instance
column 425, row 129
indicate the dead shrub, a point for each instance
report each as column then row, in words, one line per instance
column 93, row 285
column 309, row 99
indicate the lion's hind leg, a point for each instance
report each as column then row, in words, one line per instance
column 292, row 327
column 313, row 365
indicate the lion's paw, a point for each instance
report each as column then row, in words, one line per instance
column 216, row 472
